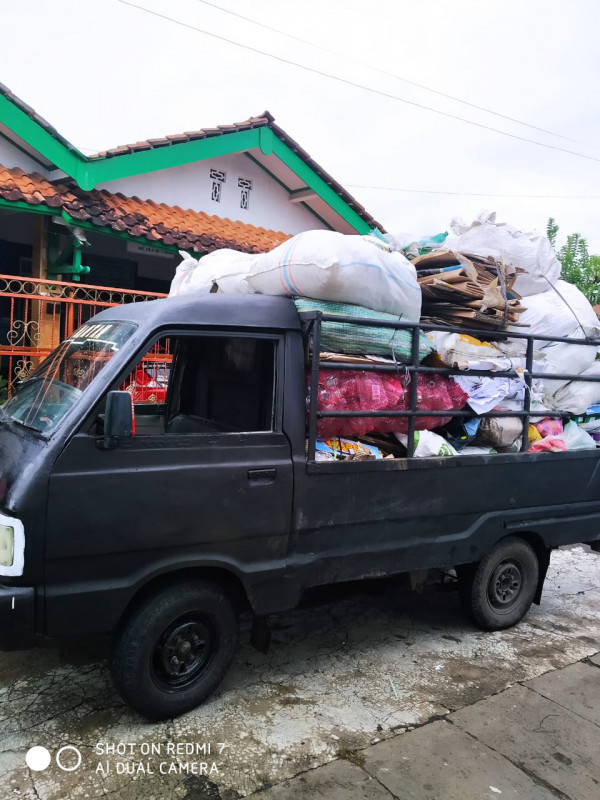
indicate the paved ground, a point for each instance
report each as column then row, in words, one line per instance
column 535, row 741
column 364, row 694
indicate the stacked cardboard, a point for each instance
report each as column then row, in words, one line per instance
column 470, row 292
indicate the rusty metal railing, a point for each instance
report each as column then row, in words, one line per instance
column 37, row 314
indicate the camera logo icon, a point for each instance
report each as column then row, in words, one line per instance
column 68, row 758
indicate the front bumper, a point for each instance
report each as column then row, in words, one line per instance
column 17, row 617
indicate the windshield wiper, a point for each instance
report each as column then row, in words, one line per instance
column 18, row 423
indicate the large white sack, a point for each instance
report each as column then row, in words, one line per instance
column 561, row 311
column 576, row 397
column 529, row 250
column 327, row 265
column 564, row 359
column 183, row 274
column 222, row 270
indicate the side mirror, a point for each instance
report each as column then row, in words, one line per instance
column 119, row 420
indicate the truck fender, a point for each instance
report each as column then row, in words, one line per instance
column 543, row 556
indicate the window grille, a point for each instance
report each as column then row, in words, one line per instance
column 245, row 186
column 217, row 177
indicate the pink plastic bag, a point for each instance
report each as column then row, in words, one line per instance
column 549, row 427
column 551, row 444
column 356, row 390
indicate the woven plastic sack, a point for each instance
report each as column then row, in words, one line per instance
column 356, row 390
column 577, row 396
column 344, row 337
column 328, row 265
column 562, row 311
column 222, row 270
column 465, row 352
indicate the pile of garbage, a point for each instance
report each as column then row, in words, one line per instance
column 484, row 276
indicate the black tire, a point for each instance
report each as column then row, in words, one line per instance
column 499, row 591
column 173, row 650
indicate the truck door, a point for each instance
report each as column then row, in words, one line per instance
column 205, row 480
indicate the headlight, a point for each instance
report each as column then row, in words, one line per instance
column 12, row 546
column 7, row 545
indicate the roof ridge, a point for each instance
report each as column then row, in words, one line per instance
column 264, row 120
column 32, row 113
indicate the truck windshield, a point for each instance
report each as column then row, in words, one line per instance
column 42, row 400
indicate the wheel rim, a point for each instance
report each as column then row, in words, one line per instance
column 505, row 585
column 184, row 651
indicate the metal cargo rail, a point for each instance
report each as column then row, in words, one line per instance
column 312, row 322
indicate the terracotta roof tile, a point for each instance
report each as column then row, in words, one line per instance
column 156, row 222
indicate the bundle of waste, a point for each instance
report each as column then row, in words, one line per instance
column 485, row 276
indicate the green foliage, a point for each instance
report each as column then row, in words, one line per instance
column 3, row 389
column 578, row 266
column 551, row 231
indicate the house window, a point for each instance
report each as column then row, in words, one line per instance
column 217, row 177
column 245, row 187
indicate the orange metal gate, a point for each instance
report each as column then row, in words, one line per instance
column 37, row 314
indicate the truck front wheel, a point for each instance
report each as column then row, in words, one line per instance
column 499, row 591
column 173, row 650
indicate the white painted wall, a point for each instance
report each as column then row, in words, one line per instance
column 190, row 186
column 11, row 156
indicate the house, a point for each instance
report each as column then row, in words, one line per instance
column 117, row 219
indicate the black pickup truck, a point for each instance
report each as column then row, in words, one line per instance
column 159, row 527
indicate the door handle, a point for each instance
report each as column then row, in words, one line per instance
column 262, row 475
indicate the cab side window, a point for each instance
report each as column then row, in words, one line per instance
column 205, row 384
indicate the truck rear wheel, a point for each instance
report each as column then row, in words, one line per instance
column 174, row 649
column 499, row 591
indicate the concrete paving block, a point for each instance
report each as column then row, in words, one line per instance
column 576, row 687
column 548, row 741
column 338, row 780
column 441, row 762
column 596, row 659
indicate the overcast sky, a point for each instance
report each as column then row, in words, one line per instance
column 104, row 73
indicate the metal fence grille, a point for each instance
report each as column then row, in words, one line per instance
column 37, row 314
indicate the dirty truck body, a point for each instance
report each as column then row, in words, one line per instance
column 187, row 521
